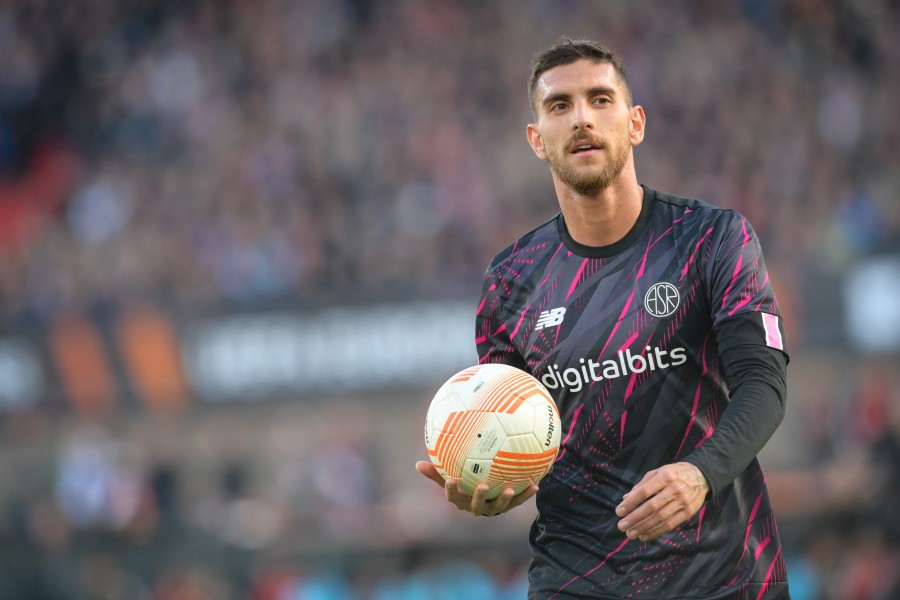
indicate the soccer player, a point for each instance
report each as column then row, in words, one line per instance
column 652, row 321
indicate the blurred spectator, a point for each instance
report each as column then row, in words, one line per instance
column 251, row 153
column 244, row 152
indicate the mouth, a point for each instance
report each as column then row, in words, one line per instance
column 582, row 147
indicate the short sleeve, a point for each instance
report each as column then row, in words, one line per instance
column 491, row 335
column 742, row 302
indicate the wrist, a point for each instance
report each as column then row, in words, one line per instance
column 696, row 479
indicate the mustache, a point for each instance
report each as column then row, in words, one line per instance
column 584, row 138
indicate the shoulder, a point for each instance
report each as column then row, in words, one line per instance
column 690, row 212
column 698, row 209
column 527, row 244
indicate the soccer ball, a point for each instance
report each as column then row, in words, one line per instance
column 493, row 424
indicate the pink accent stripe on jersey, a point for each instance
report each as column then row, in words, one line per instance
column 629, row 341
column 773, row 333
column 690, row 260
column 644, row 260
column 603, row 562
column 516, row 330
column 576, row 281
column 740, row 262
column 618, row 322
column 550, row 271
column 744, row 302
column 764, row 298
column 734, row 276
column 762, row 546
column 700, row 522
column 571, row 428
column 690, row 426
column 752, row 518
column 747, row 534
column 768, row 579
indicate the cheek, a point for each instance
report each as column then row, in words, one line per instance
column 547, row 145
column 557, row 144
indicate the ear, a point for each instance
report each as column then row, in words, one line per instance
column 536, row 141
column 637, row 125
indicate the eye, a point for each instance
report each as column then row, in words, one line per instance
column 558, row 106
column 602, row 100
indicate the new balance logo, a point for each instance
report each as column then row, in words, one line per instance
column 550, row 318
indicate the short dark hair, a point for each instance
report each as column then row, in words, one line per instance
column 566, row 51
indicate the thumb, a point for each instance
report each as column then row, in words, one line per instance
column 430, row 471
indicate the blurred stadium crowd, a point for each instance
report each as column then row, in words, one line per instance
column 240, row 155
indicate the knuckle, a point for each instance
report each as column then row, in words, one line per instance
column 672, row 523
column 657, row 503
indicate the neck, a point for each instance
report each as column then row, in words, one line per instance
column 604, row 218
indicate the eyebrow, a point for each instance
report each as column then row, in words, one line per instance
column 593, row 91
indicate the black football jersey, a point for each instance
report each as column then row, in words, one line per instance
column 627, row 338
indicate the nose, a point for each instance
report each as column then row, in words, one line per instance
column 581, row 116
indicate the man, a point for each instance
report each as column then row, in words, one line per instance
column 651, row 320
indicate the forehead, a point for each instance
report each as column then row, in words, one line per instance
column 576, row 77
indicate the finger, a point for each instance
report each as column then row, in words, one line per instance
column 647, row 510
column 648, row 476
column 479, row 499
column 522, row 497
column 634, row 528
column 676, row 519
column 430, row 471
column 639, row 494
column 454, row 496
column 501, row 502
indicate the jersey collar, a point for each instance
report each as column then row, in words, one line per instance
column 648, row 202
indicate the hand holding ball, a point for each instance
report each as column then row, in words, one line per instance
column 492, row 424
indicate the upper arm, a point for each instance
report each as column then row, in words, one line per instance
column 744, row 309
column 491, row 326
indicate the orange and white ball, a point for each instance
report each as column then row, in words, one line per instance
column 493, row 424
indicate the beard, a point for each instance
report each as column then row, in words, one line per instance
column 589, row 182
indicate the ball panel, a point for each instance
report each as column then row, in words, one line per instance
column 506, row 392
column 457, row 439
column 539, row 396
column 524, row 444
column 524, row 466
column 498, row 485
column 547, row 426
column 519, row 422
column 489, row 435
column 474, row 473
column 443, row 406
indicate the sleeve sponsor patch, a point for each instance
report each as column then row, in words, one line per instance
column 774, row 339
